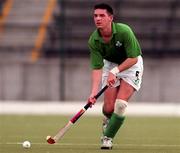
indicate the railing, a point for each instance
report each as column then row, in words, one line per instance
column 42, row 30
column 5, row 9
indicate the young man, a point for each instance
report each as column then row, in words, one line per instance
column 116, row 59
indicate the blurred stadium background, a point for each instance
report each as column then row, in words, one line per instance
column 44, row 55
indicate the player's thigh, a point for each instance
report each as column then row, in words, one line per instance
column 109, row 99
column 125, row 90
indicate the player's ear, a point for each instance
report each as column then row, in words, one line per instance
column 111, row 17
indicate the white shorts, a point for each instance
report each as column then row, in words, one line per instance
column 133, row 75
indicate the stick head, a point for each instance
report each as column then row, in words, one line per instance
column 50, row 140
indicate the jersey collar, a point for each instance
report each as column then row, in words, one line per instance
column 98, row 37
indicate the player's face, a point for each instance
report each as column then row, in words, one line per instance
column 102, row 19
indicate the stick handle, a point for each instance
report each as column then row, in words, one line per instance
column 100, row 92
column 81, row 112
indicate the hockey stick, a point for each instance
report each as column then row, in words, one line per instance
column 73, row 120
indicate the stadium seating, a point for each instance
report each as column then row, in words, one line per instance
column 155, row 22
column 20, row 27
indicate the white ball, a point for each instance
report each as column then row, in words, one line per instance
column 26, row 144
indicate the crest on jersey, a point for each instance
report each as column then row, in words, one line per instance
column 118, row 44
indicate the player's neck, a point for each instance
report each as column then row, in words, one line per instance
column 106, row 32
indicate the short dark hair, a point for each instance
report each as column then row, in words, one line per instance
column 105, row 6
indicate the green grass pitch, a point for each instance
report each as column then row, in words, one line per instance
column 138, row 134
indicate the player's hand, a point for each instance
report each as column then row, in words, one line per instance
column 91, row 100
column 111, row 79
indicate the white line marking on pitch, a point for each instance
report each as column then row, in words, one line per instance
column 93, row 144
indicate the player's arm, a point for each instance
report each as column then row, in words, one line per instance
column 96, row 61
column 96, row 79
column 129, row 62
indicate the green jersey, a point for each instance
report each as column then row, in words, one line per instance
column 123, row 45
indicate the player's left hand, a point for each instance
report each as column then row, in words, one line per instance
column 92, row 100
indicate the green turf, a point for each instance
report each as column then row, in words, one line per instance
column 138, row 135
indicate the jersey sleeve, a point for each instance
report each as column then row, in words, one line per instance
column 131, row 44
column 96, row 59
